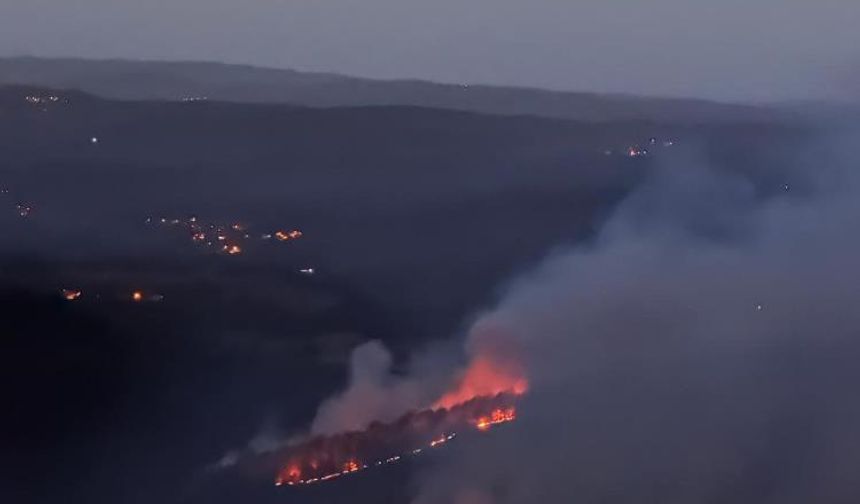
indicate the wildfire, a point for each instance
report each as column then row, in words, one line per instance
column 486, row 376
column 498, row 416
column 441, row 440
column 484, row 395
column 290, row 474
column 325, row 458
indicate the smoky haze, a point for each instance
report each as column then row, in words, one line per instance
column 670, row 366
column 702, row 349
column 731, row 50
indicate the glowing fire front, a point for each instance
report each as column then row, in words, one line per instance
column 498, row 416
column 483, row 395
column 325, row 458
column 486, row 377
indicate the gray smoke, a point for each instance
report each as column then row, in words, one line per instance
column 376, row 391
column 373, row 394
column 703, row 350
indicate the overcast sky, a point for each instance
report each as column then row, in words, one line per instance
column 725, row 49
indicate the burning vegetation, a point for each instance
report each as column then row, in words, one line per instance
column 324, row 458
column 481, row 396
column 486, row 377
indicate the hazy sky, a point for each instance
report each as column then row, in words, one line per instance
column 728, row 49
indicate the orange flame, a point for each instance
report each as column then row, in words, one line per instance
column 484, row 377
column 288, row 235
column 71, row 294
column 482, row 397
column 498, row 416
column 289, row 475
column 320, row 459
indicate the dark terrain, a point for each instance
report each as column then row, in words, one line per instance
column 413, row 219
column 174, row 81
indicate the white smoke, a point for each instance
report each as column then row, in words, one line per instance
column 374, row 394
column 704, row 350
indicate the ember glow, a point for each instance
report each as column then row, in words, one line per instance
column 481, row 396
column 325, row 458
column 498, row 416
column 71, row 294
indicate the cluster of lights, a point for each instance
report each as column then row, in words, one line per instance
column 42, row 101
column 636, row 151
column 22, row 209
column 225, row 239
column 136, row 296
column 295, row 234
column 38, row 100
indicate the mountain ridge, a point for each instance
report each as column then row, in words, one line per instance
column 157, row 80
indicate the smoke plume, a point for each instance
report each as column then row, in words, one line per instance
column 374, row 393
column 703, row 350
